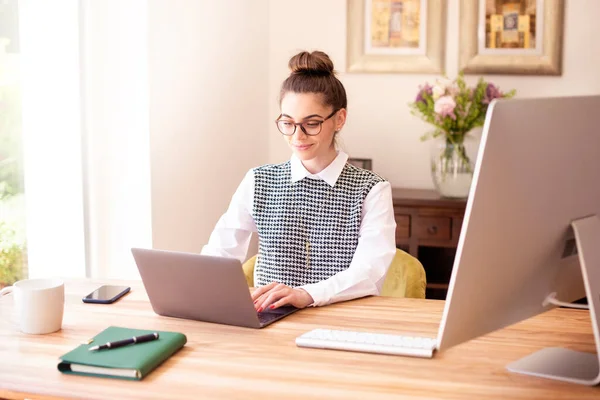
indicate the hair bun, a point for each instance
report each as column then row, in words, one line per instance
column 315, row 63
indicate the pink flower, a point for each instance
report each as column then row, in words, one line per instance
column 444, row 106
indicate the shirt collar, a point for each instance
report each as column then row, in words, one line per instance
column 330, row 174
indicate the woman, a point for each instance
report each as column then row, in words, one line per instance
column 326, row 228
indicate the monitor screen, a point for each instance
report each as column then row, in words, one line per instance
column 537, row 172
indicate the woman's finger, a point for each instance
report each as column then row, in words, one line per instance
column 263, row 289
column 288, row 299
column 273, row 296
column 261, row 297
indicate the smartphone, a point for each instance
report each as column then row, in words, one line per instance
column 106, row 294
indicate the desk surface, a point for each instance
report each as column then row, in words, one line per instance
column 222, row 361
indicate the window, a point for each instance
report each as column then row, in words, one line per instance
column 71, row 84
column 13, row 247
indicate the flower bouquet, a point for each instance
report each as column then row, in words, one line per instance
column 454, row 109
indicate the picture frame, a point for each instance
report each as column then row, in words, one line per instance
column 396, row 36
column 364, row 163
column 517, row 37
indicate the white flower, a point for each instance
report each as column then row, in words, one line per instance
column 437, row 92
column 444, row 83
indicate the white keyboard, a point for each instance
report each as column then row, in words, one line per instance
column 413, row 346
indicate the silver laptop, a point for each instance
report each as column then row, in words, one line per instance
column 202, row 288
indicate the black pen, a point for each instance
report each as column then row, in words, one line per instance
column 125, row 342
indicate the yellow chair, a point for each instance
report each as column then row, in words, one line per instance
column 405, row 277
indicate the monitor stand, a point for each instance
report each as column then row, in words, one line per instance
column 564, row 364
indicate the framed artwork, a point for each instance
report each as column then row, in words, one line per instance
column 396, row 36
column 521, row 37
column 364, row 163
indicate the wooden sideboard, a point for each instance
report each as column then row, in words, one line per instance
column 428, row 227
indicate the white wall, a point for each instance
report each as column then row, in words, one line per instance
column 208, row 111
column 214, row 73
column 380, row 125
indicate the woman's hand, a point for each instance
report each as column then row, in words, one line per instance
column 276, row 295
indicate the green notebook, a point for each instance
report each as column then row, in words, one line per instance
column 133, row 361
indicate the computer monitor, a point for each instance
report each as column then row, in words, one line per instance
column 531, row 226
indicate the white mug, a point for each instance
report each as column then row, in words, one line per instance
column 40, row 304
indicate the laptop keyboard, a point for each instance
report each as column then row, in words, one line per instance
column 269, row 315
column 263, row 317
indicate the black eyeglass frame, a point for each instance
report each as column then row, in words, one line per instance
column 301, row 124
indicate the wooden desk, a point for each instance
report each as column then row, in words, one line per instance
column 229, row 362
column 428, row 227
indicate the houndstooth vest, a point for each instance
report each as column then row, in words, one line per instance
column 308, row 230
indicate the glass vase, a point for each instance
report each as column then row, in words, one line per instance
column 451, row 169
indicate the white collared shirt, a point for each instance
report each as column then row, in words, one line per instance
column 376, row 242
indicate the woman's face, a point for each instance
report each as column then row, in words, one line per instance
column 308, row 109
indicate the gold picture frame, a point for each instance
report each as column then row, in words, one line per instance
column 415, row 39
column 530, row 54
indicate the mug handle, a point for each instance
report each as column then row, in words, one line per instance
column 6, row 290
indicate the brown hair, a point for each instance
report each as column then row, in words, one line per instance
column 313, row 73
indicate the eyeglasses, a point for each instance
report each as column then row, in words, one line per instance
column 311, row 127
